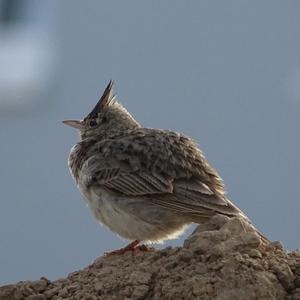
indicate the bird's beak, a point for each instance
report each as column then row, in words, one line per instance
column 74, row 123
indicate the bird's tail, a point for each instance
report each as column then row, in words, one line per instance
column 240, row 213
column 261, row 235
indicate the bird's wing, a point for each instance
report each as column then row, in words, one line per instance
column 121, row 177
column 179, row 180
column 196, row 199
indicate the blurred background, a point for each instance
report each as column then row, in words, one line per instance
column 224, row 72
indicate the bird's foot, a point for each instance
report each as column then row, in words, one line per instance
column 133, row 247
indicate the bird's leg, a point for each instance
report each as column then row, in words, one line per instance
column 130, row 247
column 133, row 246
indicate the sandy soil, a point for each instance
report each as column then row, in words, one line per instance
column 224, row 259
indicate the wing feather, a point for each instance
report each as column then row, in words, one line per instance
column 187, row 185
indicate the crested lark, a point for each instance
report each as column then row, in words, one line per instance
column 143, row 184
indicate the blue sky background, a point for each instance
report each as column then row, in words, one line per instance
column 226, row 73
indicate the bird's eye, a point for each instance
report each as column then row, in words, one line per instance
column 104, row 119
column 92, row 123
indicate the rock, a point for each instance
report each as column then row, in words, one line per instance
column 224, row 259
column 284, row 275
column 40, row 285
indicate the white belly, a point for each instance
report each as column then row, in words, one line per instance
column 133, row 219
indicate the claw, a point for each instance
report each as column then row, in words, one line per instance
column 133, row 247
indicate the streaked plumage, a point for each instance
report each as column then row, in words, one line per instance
column 144, row 184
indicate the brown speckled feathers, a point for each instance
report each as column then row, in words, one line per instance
column 164, row 167
column 144, row 184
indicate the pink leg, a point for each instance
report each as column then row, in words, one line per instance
column 133, row 246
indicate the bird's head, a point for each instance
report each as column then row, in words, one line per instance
column 107, row 118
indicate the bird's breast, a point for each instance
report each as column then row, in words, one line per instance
column 75, row 160
column 132, row 218
column 108, row 210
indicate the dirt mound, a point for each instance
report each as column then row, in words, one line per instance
column 224, row 259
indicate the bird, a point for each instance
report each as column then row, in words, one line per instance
column 146, row 185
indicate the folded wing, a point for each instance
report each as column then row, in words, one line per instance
column 191, row 188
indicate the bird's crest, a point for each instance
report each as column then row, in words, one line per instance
column 106, row 99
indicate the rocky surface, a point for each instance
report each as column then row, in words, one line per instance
column 224, row 259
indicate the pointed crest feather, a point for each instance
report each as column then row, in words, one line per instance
column 105, row 100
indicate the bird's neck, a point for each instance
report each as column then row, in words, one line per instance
column 118, row 128
column 107, row 134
